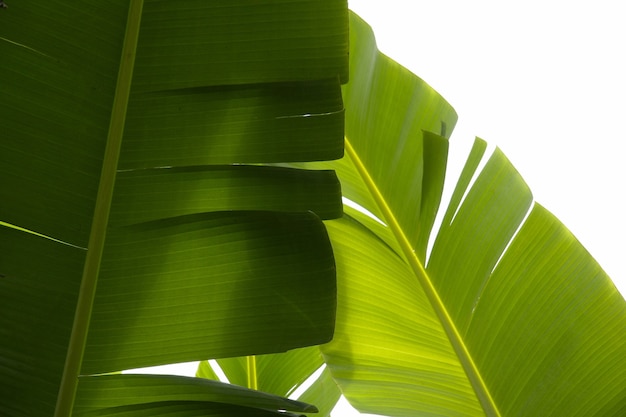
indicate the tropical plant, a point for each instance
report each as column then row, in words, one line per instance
column 507, row 316
column 133, row 233
column 495, row 321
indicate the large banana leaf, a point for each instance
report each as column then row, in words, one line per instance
column 496, row 321
column 131, row 234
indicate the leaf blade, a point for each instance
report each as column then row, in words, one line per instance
column 109, row 391
column 379, row 334
column 147, row 195
column 168, row 288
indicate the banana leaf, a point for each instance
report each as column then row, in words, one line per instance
column 132, row 232
column 508, row 315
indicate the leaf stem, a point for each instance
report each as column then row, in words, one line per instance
column 78, row 338
column 253, row 382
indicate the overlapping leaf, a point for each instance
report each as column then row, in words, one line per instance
column 282, row 374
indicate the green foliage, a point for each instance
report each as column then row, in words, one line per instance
column 142, row 223
column 494, row 321
column 131, row 233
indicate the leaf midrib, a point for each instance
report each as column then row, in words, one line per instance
column 472, row 372
column 78, row 338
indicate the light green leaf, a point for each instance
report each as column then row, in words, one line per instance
column 277, row 374
column 324, row 393
column 282, row 374
column 390, row 354
column 493, row 322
